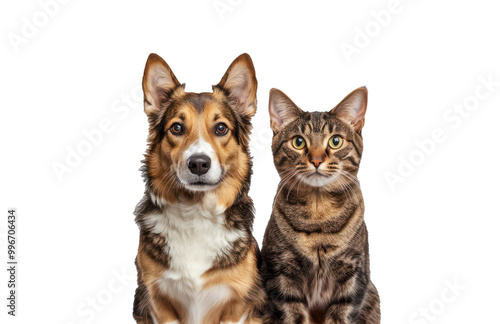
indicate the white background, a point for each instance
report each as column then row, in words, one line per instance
column 437, row 227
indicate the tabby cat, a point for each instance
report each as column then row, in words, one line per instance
column 315, row 252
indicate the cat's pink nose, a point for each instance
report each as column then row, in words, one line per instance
column 316, row 161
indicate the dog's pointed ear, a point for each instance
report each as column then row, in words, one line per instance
column 241, row 85
column 282, row 110
column 157, row 84
column 352, row 109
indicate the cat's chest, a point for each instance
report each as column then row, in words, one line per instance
column 331, row 279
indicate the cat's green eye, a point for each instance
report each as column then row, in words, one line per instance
column 298, row 142
column 335, row 142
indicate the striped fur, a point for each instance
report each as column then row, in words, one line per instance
column 315, row 252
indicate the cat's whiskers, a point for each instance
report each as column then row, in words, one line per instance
column 300, row 184
column 346, row 181
column 345, row 177
column 346, row 188
column 287, row 177
column 299, row 178
column 350, row 176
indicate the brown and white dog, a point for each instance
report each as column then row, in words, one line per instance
column 197, row 260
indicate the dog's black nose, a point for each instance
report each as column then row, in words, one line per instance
column 199, row 164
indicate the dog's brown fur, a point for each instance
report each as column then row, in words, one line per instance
column 233, row 102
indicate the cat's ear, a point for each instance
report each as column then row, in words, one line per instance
column 157, row 83
column 282, row 110
column 241, row 85
column 352, row 109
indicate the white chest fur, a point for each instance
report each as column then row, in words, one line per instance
column 195, row 235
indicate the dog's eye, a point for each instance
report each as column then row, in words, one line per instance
column 298, row 142
column 221, row 129
column 176, row 129
column 335, row 142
